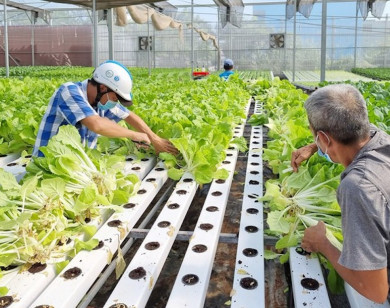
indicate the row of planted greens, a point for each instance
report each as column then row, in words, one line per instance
column 62, row 191
column 377, row 73
column 295, row 201
column 44, row 218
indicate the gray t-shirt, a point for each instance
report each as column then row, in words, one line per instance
column 364, row 198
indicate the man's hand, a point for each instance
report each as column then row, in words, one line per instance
column 302, row 154
column 141, row 140
column 314, row 239
column 164, row 145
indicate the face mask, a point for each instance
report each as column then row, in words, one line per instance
column 322, row 154
column 106, row 106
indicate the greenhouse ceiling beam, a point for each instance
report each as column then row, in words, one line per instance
column 265, row 2
column 44, row 14
column 104, row 5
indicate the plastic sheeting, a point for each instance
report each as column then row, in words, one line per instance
column 141, row 14
column 230, row 11
column 303, row 6
column 376, row 7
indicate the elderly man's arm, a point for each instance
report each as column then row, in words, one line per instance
column 372, row 284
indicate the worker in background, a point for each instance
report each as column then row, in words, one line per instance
column 228, row 66
column 94, row 106
column 339, row 122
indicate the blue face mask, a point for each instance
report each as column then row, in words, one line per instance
column 106, row 106
column 322, row 154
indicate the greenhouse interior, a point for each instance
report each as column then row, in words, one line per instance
column 195, row 153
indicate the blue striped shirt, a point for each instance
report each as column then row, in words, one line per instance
column 69, row 105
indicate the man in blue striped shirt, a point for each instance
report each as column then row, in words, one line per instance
column 95, row 106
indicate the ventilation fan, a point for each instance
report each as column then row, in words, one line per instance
column 276, row 40
column 143, row 42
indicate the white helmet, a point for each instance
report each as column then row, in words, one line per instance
column 116, row 77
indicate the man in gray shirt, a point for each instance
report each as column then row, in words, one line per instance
column 339, row 122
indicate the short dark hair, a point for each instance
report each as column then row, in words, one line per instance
column 227, row 67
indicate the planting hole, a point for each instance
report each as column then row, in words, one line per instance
column 173, row 206
column 255, row 142
column 211, row 209
column 254, row 172
column 199, row 248
column 251, row 229
column 36, row 268
column 226, row 162
column 302, row 251
column 43, row 306
column 5, row 301
column 256, row 132
column 141, row 191
column 181, row 192
column 255, row 137
column 188, row 180
column 118, row 305
column 72, row 273
column 152, row 245
column 159, row 169
column 255, row 164
column 129, row 205
column 255, row 149
column 99, row 245
column 229, row 154
column 87, row 219
column 114, row 223
column 190, row 279
column 231, row 148
column 11, row 164
column 253, row 196
column 151, row 180
column 137, row 273
column 220, row 181
column 28, row 156
column 310, row 284
column 3, row 155
column 216, row 193
column 250, row 252
column 206, row 227
column 164, row 224
column 129, row 159
column 252, row 182
column 252, row 211
column 248, row 283
column 136, row 168
column 7, row 268
column 144, row 159
column 24, row 165
column 255, row 155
